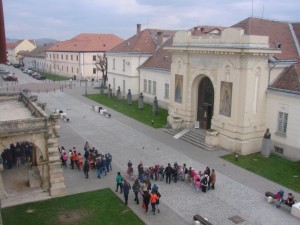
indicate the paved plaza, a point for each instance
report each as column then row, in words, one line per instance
column 238, row 192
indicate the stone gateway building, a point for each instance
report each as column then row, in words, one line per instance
column 29, row 123
column 220, row 81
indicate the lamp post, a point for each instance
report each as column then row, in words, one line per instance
column 85, row 86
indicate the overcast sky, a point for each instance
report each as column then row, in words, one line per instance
column 63, row 19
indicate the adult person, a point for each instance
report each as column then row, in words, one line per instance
column 212, row 179
column 80, row 161
column 204, row 182
column 146, row 200
column 119, row 182
column 289, row 201
column 126, row 188
column 99, row 167
column 168, row 172
column 136, row 187
column 103, row 163
column 129, row 168
column 86, row 169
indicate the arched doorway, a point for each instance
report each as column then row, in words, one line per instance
column 205, row 103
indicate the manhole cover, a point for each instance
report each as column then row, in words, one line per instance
column 236, row 219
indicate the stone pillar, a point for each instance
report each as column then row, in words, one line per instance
column 2, row 36
column 56, row 178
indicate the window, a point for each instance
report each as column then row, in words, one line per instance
column 94, row 70
column 71, row 57
column 62, row 68
column 123, row 64
column 77, row 70
column 53, row 56
column 124, row 86
column 114, row 83
column 154, row 88
column 62, row 56
column 149, row 86
column 167, row 90
column 67, row 57
column 145, row 85
column 72, row 69
column 94, row 57
column 67, row 69
column 114, row 64
column 57, row 56
column 282, row 123
column 76, row 57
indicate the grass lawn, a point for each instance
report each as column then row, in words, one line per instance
column 96, row 207
column 274, row 168
column 51, row 76
column 145, row 116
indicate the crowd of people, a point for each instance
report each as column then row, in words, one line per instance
column 17, row 154
column 90, row 160
column 93, row 160
column 204, row 180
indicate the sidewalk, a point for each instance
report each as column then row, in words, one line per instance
column 238, row 192
column 127, row 139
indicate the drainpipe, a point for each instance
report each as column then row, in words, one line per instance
column 272, row 65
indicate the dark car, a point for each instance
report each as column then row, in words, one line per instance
column 17, row 65
column 40, row 77
column 11, row 78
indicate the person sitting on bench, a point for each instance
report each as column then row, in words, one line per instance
column 289, row 201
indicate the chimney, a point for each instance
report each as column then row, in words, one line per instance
column 159, row 38
column 138, row 28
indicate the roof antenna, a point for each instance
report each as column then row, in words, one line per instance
column 252, row 8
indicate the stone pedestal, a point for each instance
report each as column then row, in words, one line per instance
column 266, row 147
column 211, row 137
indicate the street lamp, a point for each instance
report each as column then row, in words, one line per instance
column 85, row 86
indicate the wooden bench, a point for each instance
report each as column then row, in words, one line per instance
column 202, row 221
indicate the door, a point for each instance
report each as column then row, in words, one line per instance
column 205, row 103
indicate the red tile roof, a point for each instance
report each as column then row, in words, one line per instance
column 87, row 43
column 278, row 32
column 38, row 52
column 143, row 42
column 161, row 59
column 296, row 28
column 289, row 79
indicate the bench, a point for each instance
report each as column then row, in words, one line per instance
column 202, row 220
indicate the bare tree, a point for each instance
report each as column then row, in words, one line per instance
column 101, row 64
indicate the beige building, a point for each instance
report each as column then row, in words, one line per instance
column 36, row 58
column 78, row 55
column 14, row 48
column 232, row 82
column 127, row 68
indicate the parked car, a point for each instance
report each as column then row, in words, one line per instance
column 4, row 71
column 41, row 77
column 35, row 74
column 17, row 65
column 11, row 78
column 8, row 63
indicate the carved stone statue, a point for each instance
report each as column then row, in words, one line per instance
column 129, row 97
column 266, row 144
column 141, row 101
column 267, row 134
column 119, row 93
column 155, row 106
column 109, row 91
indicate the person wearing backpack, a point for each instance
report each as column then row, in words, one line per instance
column 204, row 182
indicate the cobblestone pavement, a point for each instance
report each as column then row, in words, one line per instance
column 238, row 192
column 127, row 139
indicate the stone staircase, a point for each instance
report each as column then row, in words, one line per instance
column 196, row 138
